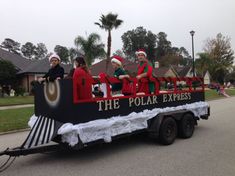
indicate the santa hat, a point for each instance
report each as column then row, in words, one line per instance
column 141, row 51
column 117, row 59
column 54, row 56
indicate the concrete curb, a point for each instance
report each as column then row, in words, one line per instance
column 14, row 131
column 8, row 105
column 16, row 106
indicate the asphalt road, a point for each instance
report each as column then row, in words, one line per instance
column 210, row 152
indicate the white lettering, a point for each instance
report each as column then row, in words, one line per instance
column 182, row 96
column 174, row 97
column 164, row 98
column 116, row 104
column 100, row 104
column 170, row 97
column 142, row 101
column 131, row 100
column 149, row 101
column 137, row 101
column 155, row 99
column 189, row 96
column 108, row 105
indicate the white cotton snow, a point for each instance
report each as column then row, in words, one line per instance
column 72, row 137
column 107, row 128
column 32, row 121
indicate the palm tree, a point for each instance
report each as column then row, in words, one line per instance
column 109, row 22
column 92, row 47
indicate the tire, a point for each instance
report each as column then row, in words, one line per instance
column 186, row 126
column 168, row 131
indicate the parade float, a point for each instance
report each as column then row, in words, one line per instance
column 163, row 115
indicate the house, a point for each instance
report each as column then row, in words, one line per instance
column 100, row 67
column 165, row 72
column 28, row 70
column 183, row 71
column 131, row 68
column 188, row 72
column 207, row 78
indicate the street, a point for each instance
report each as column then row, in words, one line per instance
column 210, row 152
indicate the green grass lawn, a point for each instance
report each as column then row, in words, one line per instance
column 16, row 100
column 14, row 119
column 230, row 92
column 211, row 94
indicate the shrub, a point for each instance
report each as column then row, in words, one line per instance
column 20, row 91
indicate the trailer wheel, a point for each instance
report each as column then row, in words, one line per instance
column 168, row 131
column 186, row 126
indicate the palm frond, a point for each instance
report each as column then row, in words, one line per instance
column 100, row 25
column 79, row 40
column 118, row 23
column 91, row 46
column 109, row 21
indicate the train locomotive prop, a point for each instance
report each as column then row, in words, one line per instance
column 164, row 115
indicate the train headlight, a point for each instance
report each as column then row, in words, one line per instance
column 52, row 93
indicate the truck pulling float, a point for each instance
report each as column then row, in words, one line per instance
column 164, row 115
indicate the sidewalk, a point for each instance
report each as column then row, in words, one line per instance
column 16, row 106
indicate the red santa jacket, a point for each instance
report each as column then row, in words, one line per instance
column 82, row 85
column 144, row 67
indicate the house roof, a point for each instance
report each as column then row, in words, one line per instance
column 42, row 66
column 24, row 65
column 20, row 62
column 181, row 71
column 203, row 74
column 100, row 67
column 161, row 71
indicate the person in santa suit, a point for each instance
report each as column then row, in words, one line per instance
column 55, row 72
column 145, row 70
column 119, row 73
column 82, row 81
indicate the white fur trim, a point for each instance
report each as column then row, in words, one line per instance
column 141, row 52
column 54, row 56
column 116, row 61
column 32, row 121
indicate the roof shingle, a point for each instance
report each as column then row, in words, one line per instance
column 20, row 62
column 29, row 66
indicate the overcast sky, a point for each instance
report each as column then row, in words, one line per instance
column 60, row 21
